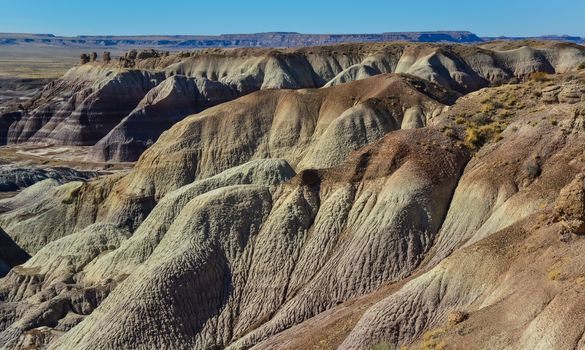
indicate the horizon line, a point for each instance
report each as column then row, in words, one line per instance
column 294, row 32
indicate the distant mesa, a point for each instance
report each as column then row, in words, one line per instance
column 269, row 39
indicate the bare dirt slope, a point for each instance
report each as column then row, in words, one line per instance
column 387, row 211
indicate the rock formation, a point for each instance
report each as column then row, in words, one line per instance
column 97, row 104
column 570, row 205
column 11, row 254
column 164, row 105
column 15, row 178
column 324, row 203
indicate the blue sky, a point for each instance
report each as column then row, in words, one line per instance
column 126, row 17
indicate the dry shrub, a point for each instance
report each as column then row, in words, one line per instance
column 383, row 345
column 456, row 317
column 478, row 135
column 538, row 77
column 431, row 340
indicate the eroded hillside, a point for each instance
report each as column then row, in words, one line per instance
column 355, row 208
column 121, row 108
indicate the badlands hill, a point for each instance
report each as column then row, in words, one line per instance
column 349, row 197
column 121, row 108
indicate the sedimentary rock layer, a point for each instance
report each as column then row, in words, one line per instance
column 97, row 104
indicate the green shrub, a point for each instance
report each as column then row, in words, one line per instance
column 582, row 65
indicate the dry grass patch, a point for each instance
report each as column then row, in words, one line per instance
column 456, row 317
column 554, row 273
column 431, row 340
column 383, row 345
column 538, row 77
column 477, row 135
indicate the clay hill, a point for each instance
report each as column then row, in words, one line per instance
column 121, row 107
column 363, row 196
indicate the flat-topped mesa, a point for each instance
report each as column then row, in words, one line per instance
column 269, row 39
column 94, row 99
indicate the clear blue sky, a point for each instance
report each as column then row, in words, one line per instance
column 125, row 17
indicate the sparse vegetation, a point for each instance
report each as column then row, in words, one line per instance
column 505, row 114
column 533, row 168
column 582, row 65
column 487, row 125
column 478, row 134
column 538, row 77
column 449, row 132
column 488, row 107
column 383, row 345
column 510, row 101
column 460, row 119
column 554, row 273
column 456, row 317
column 431, row 340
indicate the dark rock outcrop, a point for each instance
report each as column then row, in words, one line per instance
column 17, row 177
column 163, row 106
column 10, row 254
column 80, row 111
